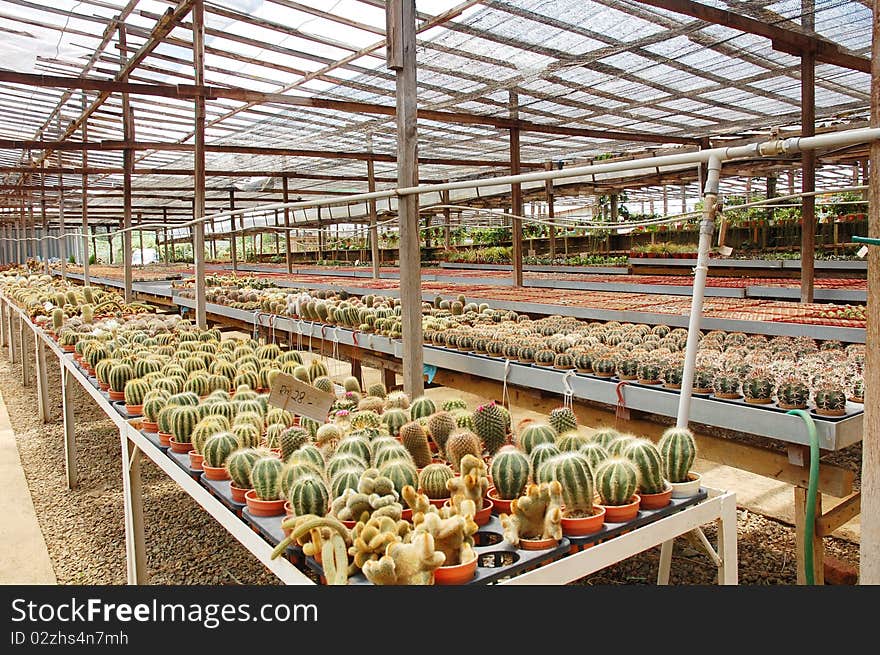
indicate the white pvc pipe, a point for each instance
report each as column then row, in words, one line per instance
column 700, row 272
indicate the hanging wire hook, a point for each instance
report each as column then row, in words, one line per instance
column 568, row 393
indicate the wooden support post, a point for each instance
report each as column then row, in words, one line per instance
column 165, row 235
column 62, row 246
column 4, row 310
column 320, row 237
column 141, row 242
column 10, row 336
column 110, row 243
column 67, row 383
column 198, row 48
column 42, row 380
column 869, row 541
column 233, row 249
column 135, row 544
column 85, row 198
column 808, row 161
column 800, row 522
column 401, row 55
column 516, row 201
column 357, row 371
column 389, row 378
column 375, row 257
column 128, row 166
column 288, row 258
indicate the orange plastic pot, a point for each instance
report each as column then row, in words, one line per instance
column 259, row 507
column 580, row 526
column 149, row 426
column 456, row 573
column 215, row 472
column 501, row 505
column 656, row 501
column 482, row 516
column 178, row 447
column 537, row 544
column 195, row 460
column 165, row 439
column 134, row 409
column 116, row 395
column 237, row 493
column 623, row 513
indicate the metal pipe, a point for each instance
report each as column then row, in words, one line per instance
column 710, row 198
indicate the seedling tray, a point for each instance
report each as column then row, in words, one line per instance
column 851, row 408
column 182, row 460
column 119, row 406
column 220, row 490
column 644, row 517
column 269, row 528
column 496, row 559
column 154, row 439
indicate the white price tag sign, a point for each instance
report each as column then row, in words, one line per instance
column 297, row 397
column 861, row 252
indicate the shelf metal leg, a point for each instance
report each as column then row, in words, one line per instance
column 42, row 380
column 3, row 309
column 135, row 544
column 665, row 562
column 23, row 349
column 67, row 383
column 10, row 337
column 728, row 571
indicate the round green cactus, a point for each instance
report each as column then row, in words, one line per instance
column 572, row 470
column 726, row 385
column 118, row 376
column 535, row 433
column 340, row 461
column 345, row 478
column 490, row 425
column 433, row 478
column 359, row 446
column 135, row 390
column 678, row 449
column 266, row 477
column 218, row 448
column 394, row 418
column 292, row 439
column 510, row 470
column 616, row 481
column 830, row 399
column 563, row 419
column 401, row 472
column 792, row 394
column 594, row 452
column 183, row 422
column 759, row 387
column 649, row 463
column 540, row 454
column 422, row 407
column 308, row 495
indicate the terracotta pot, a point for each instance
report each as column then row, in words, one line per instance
column 288, row 509
column 116, row 395
column 134, row 410
column 195, row 460
column 672, row 386
column 259, row 507
column 149, row 426
column 537, row 544
column 689, row 488
column 759, row 401
column 728, row 396
column 579, row 527
column 165, row 439
column 857, row 399
column 623, row 513
column 501, row 506
column 349, row 524
column 830, row 412
column 68, row 349
column 784, row 406
column 702, row 390
column 649, row 381
column 103, row 386
column 177, row 447
column 406, row 514
column 237, row 493
column 656, row 501
column 438, row 502
column 456, row 573
column 215, row 472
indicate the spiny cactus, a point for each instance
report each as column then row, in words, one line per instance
column 563, row 419
column 183, row 421
column 535, row 515
column 471, row 483
column 364, row 419
column 510, row 471
column 415, row 440
column 649, row 463
column 540, row 454
column 135, row 390
column 422, row 407
column 545, row 356
column 440, row 425
column 571, row 440
column 572, row 470
column 355, row 445
column 218, row 448
column 830, row 399
column 247, row 434
column 726, row 385
column 341, row 461
column 616, row 481
column 401, row 472
column 453, row 404
column 397, row 399
column 309, row 454
column 265, row 478
column 594, row 452
column 118, row 376
column 346, row 478
column 678, row 450
column 648, row 372
column 351, row 383
column 489, row 425
column 617, row 445
column 395, row 418
column 377, row 389
column 292, row 439
column 432, row 480
column 308, row 495
column 323, row 383
column 604, row 436
column 389, row 453
column 758, row 387
column 461, row 443
column 792, row 394
column 535, row 433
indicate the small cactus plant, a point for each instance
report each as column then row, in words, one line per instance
column 545, row 356
column 414, row 438
column 266, row 477
column 616, row 481
column 649, row 372
column 792, row 394
column 395, row 418
column 218, row 448
column 830, row 399
column 726, row 385
column 649, row 463
column 563, row 419
column 678, row 450
column 461, row 443
column 510, row 471
column 758, row 387
column 572, row 470
column 563, row 361
column 433, row 479
column 535, row 433
column 490, row 426
column 604, row 367
column 308, row 495
column 440, row 425
column 422, row 407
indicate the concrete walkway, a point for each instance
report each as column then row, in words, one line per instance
column 24, row 558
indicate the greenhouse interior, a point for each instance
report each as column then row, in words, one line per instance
column 289, row 287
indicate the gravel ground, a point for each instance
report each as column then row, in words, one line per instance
column 85, row 536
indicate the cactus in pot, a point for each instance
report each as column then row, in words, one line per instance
column 616, row 481
column 726, row 385
column 490, row 425
column 533, row 434
column 433, row 479
column 461, row 443
column 562, row 419
column 649, row 464
column 545, row 356
column 440, row 425
column 308, row 495
column 792, row 394
column 414, row 438
column 830, row 399
column 604, row 367
column 573, row 472
column 218, row 448
column 510, row 470
column 266, row 478
column 679, row 450
column 758, row 387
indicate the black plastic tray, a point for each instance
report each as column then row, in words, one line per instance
column 220, row 490
column 644, row 517
column 154, row 439
column 852, row 409
column 492, row 551
column 182, row 460
column 269, row 527
column 119, row 406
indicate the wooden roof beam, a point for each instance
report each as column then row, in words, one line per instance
column 784, row 40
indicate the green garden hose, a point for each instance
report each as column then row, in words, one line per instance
column 810, row 513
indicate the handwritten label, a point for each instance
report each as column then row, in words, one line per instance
column 297, row 397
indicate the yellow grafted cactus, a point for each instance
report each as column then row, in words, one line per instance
column 535, row 515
